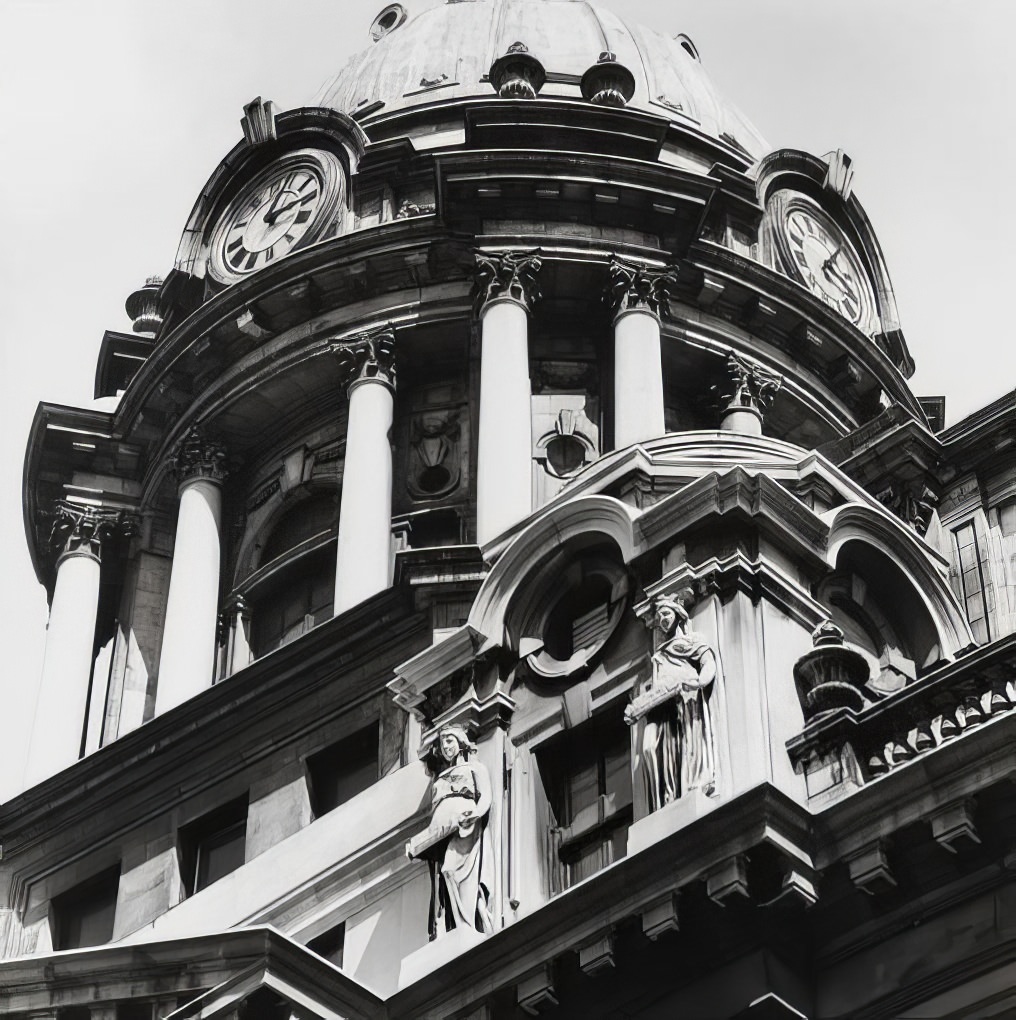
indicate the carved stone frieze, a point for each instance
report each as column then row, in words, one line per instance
column 509, row 274
column 83, row 529
column 913, row 504
column 408, row 209
column 369, row 355
column 642, row 288
column 198, row 456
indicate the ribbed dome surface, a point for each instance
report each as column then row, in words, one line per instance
column 443, row 52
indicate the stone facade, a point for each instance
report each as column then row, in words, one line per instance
column 518, row 578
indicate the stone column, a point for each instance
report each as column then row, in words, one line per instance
column 363, row 558
column 638, row 295
column 504, row 470
column 236, row 618
column 187, row 663
column 77, row 537
column 750, row 397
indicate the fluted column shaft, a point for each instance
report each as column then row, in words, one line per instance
column 187, row 662
column 363, row 558
column 638, row 295
column 62, row 703
column 504, row 469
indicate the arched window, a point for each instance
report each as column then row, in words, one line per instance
column 293, row 589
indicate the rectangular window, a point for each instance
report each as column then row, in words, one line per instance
column 84, row 915
column 213, row 846
column 971, row 576
column 343, row 770
column 587, row 776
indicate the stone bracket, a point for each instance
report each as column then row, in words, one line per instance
column 660, row 916
column 953, row 826
column 869, row 869
column 535, row 991
column 728, row 881
column 597, row 955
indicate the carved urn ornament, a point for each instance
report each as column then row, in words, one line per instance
column 143, row 307
column 517, row 74
column 608, row 83
column 830, row 676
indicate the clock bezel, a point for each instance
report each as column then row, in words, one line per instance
column 782, row 205
column 329, row 170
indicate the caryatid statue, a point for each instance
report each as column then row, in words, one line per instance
column 457, row 843
column 675, row 745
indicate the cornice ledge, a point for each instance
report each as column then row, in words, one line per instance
column 756, row 578
column 430, row 667
column 751, row 496
column 760, row 816
column 59, row 801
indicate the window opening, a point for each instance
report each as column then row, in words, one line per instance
column 974, row 590
column 83, row 916
column 213, row 846
column 587, row 776
column 340, row 772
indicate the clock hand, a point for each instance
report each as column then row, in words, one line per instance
column 832, row 258
column 273, row 212
column 278, row 212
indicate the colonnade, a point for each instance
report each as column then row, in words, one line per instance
column 507, row 292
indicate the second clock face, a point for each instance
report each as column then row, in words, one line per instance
column 821, row 257
column 278, row 210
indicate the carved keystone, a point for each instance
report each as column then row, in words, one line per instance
column 869, row 870
column 598, row 955
column 953, row 827
column 728, row 881
column 535, row 992
column 660, row 916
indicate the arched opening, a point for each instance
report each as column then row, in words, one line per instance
column 293, row 589
column 881, row 612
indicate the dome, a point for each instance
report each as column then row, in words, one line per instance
column 426, row 55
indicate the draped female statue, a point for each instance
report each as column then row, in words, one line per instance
column 674, row 745
column 457, row 844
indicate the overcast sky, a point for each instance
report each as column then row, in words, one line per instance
column 119, row 110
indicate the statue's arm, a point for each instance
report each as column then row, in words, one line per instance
column 483, row 794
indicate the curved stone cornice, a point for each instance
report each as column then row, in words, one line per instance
column 197, row 456
column 366, row 356
column 778, row 298
column 508, row 275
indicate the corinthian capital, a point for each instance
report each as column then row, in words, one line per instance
column 508, row 274
column 640, row 288
column 197, row 456
column 753, row 387
column 82, row 529
column 369, row 355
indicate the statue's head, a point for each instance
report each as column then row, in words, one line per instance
column 452, row 741
column 670, row 612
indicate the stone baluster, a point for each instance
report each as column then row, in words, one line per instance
column 750, row 397
column 77, row 537
column 363, row 558
column 187, row 664
column 507, row 289
column 638, row 295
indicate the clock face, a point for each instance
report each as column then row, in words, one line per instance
column 819, row 255
column 283, row 207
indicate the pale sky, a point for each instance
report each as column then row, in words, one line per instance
column 119, row 110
